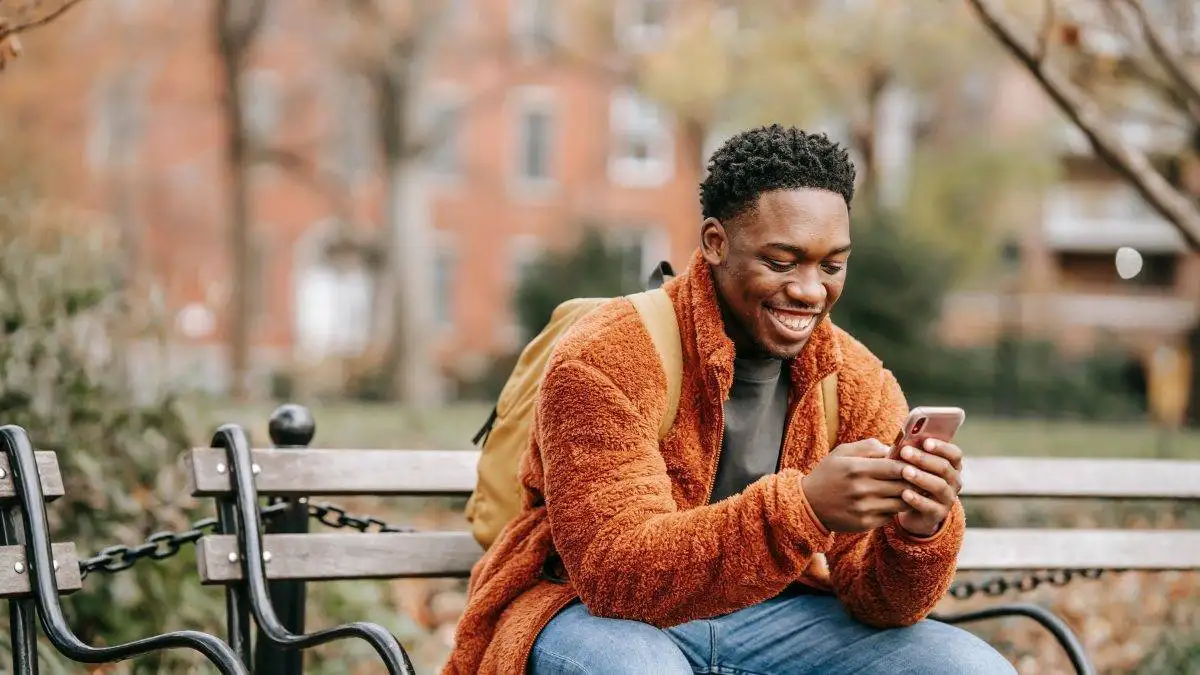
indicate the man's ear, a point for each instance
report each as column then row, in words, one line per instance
column 714, row 241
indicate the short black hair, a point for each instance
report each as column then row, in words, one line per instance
column 772, row 158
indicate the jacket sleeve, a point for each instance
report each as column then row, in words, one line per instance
column 628, row 550
column 887, row 577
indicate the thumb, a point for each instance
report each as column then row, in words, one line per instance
column 870, row 447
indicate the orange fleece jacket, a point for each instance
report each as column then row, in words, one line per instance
column 630, row 517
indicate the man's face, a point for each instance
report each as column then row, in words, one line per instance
column 779, row 268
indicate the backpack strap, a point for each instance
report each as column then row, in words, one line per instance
column 829, row 401
column 658, row 315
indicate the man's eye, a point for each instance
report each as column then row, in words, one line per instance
column 779, row 266
column 832, row 267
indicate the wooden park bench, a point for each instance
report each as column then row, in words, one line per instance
column 288, row 555
column 34, row 571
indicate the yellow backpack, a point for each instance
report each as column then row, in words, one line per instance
column 504, row 437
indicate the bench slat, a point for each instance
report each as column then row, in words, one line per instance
column 47, row 463
column 452, row 472
column 15, row 585
column 1015, row 549
column 1101, row 478
column 341, row 472
column 345, row 556
column 430, row 554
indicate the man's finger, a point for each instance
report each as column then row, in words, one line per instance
column 925, row 506
column 880, row 468
column 870, row 447
column 934, row 486
column 885, row 506
column 934, row 464
column 950, row 451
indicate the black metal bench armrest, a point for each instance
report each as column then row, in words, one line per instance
column 233, row 439
column 40, row 561
column 1057, row 627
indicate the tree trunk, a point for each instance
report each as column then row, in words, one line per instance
column 405, row 293
column 244, row 286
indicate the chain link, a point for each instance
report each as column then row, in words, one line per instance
column 163, row 545
column 997, row 586
column 332, row 515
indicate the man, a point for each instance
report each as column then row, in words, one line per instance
column 741, row 543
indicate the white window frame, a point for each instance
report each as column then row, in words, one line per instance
column 631, row 113
column 534, row 99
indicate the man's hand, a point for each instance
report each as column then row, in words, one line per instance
column 856, row 487
column 935, row 475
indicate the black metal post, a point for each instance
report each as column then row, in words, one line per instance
column 22, row 612
column 291, row 426
column 39, row 565
column 232, row 438
column 237, row 610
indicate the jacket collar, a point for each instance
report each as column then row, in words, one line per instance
column 821, row 356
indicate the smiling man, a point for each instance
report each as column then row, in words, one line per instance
column 741, row 542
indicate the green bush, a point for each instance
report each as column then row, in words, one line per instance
column 119, row 454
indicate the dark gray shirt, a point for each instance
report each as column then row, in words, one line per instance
column 755, row 416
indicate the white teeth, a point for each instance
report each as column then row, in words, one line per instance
column 796, row 323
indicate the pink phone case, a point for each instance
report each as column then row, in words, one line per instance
column 928, row 422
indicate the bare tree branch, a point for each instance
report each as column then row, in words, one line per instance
column 17, row 28
column 1084, row 113
column 1166, row 57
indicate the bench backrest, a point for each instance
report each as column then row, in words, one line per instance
column 14, row 569
column 294, row 472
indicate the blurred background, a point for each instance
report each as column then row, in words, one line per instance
column 208, row 207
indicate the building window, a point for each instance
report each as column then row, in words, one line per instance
column 535, row 136
column 333, row 310
column 261, row 103
column 642, row 145
column 524, row 250
column 640, row 24
column 638, row 250
column 533, row 28
column 445, row 155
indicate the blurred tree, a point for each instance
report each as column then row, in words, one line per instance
column 19, row 16
column 396, row 47
column 905, row 83
column 236, row 23
column 391, row 45
column 593, row 268
column 1092, row 58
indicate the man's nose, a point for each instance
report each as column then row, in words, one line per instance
column 806, row 288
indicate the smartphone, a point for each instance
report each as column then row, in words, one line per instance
column 928, row 422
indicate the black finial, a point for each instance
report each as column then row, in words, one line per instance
column 292, row 425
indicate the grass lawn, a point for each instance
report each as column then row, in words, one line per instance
column 387, row 426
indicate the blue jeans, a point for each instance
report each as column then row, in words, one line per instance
column 792, row 634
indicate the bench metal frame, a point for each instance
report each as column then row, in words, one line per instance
column 50, row 569
column 240, row 516
column 296, row 556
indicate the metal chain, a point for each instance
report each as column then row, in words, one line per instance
column 163, row 545
column 335, row 516
column 997, row 586
column 159, row 546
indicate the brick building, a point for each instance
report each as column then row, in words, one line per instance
column 536, row 144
